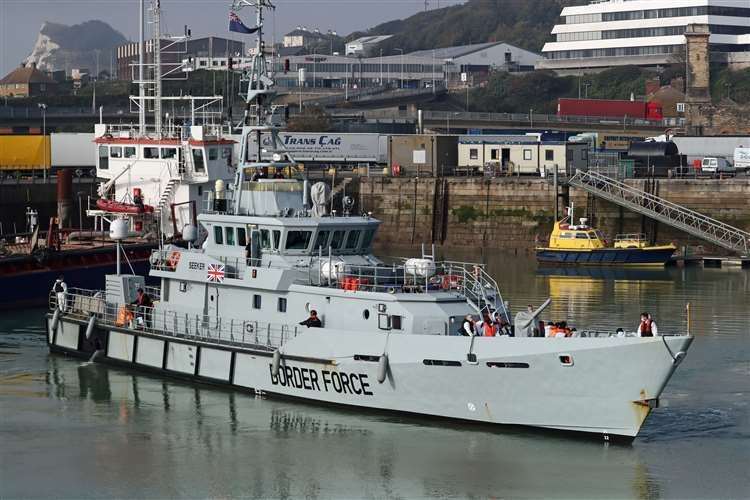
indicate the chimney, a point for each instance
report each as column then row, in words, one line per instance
column 652, row 85
column 697, row 71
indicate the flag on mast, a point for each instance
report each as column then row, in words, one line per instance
column 236, row 25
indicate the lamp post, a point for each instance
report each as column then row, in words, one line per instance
column 43, row 107
column 401, row 81
column 381, row 67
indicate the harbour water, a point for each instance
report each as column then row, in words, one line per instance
column 71, row 429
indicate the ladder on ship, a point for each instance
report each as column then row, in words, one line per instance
column 661, row 210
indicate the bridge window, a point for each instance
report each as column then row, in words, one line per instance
column 256, row 301
column 352, row 240
column 103, row 157
column 282, row 305
column 582, row 236
column 276, row 239
column 265, row 239
column 395, row 322
column 369, row 235
column 213, row 154
column 549, row 154
column 151, row 153
column 566, row 236
column 115, row 152
column 337, row 240
column 198, row 164
column 129, row 152
column 321, row 241
column 167, row 153
column 527, row 154
column 473, row 154
column 298, row 240
column 218, row 235
column 241, row 237
column 230, row 236
column 494, row 154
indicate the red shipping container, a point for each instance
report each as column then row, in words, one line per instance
column 602, row 107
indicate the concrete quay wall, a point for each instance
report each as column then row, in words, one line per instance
column 517, row 214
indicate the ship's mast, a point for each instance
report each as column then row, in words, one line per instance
column 156, row 48
column 141, row 76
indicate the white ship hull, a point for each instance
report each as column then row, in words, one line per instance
column 609, row 389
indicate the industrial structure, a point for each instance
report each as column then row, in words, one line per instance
column 608, row 33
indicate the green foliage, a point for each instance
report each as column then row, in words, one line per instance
column 540, row 90
column 734, row 85
column 466, row 213
column 525, row 23
column 312, row 119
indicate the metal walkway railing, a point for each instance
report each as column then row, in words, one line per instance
column 661, row 210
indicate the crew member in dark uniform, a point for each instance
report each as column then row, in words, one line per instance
column 313, row 321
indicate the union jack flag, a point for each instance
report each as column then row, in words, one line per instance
column 215, row 273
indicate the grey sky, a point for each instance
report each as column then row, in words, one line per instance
column 20, row 20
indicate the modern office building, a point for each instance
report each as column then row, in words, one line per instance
column 608, row 33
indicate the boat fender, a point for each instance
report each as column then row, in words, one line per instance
column 90, row 327
column 276, row 363
column 382, row 368
column 55, row 320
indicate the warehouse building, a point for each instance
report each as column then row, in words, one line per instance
column 610, row 33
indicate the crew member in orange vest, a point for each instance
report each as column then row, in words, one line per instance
column 647, row 327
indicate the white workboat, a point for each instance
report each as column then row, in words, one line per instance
column 228, row 312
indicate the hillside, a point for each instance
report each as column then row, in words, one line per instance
column 525, row 23
column 65, row 47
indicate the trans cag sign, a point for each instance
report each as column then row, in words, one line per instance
column 323, row 147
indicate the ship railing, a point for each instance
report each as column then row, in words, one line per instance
column 630, row 237
column 469, row 280
column 82, row 304
column 213, row 205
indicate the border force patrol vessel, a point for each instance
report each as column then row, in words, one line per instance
column 228, row 312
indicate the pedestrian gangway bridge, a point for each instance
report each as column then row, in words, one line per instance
column 663, row 211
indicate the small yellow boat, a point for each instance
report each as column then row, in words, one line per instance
column 584, row 245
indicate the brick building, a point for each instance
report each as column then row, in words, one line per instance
column 27, row 81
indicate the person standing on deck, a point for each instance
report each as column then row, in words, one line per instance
column 61, row 293
column 647, row 327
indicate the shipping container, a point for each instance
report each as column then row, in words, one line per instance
column 609, row 108
column 24, row 152
column 422, row 154
column 73, row 150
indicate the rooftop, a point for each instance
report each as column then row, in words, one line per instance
column 26, row 74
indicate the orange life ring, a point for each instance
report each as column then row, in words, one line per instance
column 451, row 282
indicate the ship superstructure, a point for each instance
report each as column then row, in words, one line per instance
column 156, row 171
column 284, row 296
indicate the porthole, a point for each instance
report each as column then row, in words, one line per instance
column 366, row 314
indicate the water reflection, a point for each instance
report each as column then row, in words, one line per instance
column 91, row 430
column 128, row 426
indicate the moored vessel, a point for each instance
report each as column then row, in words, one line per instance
column 231, row 310
column 581, row 244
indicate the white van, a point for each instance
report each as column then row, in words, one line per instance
column 717, row 166
column 742, row 159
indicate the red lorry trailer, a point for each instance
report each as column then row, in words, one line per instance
column 610, row 108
